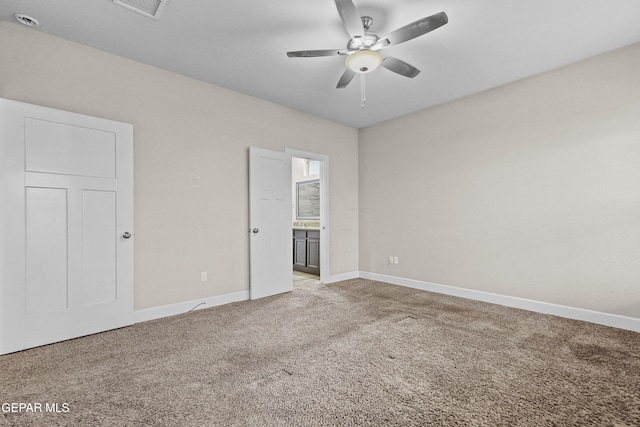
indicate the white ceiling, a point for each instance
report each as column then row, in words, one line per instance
column 241, row 45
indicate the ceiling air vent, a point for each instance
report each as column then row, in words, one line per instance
column 26, row 20
column 148, row 8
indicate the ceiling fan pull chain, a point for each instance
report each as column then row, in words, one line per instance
column 362, row 91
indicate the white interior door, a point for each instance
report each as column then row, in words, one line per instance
column 270, row 222
column 66, row 190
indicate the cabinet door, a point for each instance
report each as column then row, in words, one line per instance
column 299, row 252
column 313, row 252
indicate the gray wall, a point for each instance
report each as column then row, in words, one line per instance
column 529, row 190
column 190, row 148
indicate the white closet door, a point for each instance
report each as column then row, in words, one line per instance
column 66, row 191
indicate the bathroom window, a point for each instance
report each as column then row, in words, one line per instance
column 313, row 167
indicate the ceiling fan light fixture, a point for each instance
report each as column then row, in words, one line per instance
column 363, row 61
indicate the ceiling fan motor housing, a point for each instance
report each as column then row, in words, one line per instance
column 364, row 42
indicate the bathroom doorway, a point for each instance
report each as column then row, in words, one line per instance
column 309, row 212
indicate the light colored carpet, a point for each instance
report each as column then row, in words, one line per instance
column 351, row 353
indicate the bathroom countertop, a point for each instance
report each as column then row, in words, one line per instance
column 306, row 225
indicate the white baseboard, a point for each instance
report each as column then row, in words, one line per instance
column 183, row 307
column 197, row 304
column 607, row 319
column 341, row 276
column 600, row 318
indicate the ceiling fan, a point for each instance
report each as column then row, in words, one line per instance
column 363, row 50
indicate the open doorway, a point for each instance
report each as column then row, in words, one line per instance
column 309, row 225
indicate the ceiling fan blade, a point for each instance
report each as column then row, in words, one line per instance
column 346, row 78
column 314, row 53
column 380, row 44
column 417, row 28
column 350, row 17
column 400, row 67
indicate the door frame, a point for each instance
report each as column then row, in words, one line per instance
column 325, row 263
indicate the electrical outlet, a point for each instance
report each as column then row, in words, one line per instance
column 203, row 276
column 395, row 259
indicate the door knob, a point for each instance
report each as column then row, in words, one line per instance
column 126, row 235
column 255, row 230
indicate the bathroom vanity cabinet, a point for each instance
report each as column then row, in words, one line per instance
column 306, row 251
